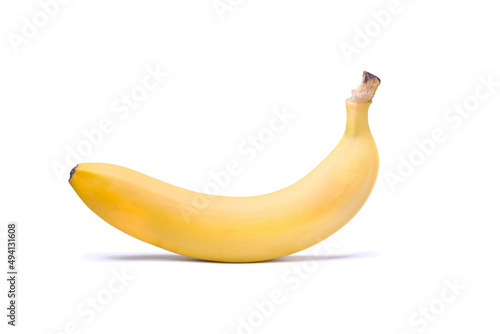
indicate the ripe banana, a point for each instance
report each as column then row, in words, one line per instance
column 242, row 229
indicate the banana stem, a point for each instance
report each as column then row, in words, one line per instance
column 357, row 117
column 366, row 90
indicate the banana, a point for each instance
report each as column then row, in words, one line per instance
column 242, row 229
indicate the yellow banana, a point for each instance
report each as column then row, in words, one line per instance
column 242, row 229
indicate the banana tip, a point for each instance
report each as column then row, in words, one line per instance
column 72, row 172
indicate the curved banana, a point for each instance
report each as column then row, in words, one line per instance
column 241, row 229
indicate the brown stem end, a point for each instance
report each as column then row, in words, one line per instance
column 367, row 89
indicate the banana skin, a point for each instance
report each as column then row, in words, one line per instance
column 242, row 229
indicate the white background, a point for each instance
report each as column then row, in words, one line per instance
column 226, row 75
